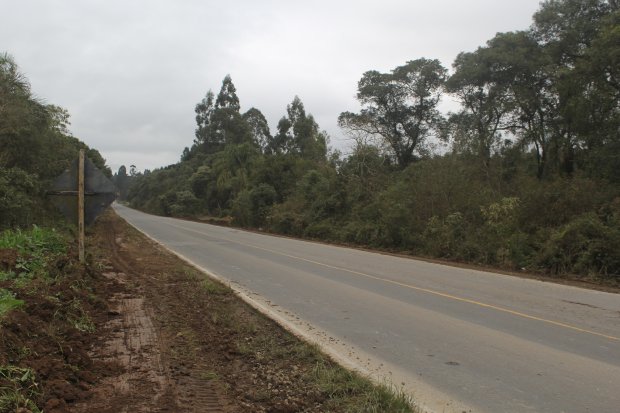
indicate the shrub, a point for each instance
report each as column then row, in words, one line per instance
column 586, row 246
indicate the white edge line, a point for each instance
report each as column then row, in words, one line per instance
column 442, row 403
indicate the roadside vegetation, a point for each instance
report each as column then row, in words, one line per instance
column 45, row 300
column 54, row 312
column 523, row 175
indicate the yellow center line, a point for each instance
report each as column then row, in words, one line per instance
column 413, row 287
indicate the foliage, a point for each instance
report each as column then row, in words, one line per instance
column 400, row 107
column 8, row 302
column 529, row 180
column 36, row 249
column 35, row 147
column 585, row 245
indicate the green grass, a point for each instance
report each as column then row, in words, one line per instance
column 35, row 247
column 213, row 287
column 353, row 393
column 8, row 302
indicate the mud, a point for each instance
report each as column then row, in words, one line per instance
column 139, row 330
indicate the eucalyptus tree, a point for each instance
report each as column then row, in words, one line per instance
column 299, row 134
column 399, row 107
column 259, row 128
column 204, row 110
column 218, row 120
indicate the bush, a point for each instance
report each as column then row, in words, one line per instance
column 324, row 230
column 584, row 246
column 20, row 191
column 242, row 209
column 444, row 237
column 262, row 198
column 285, row 219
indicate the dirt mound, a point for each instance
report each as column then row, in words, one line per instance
column 53, row 333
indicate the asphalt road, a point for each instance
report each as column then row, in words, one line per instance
column 460, row 339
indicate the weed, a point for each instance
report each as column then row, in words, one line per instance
column 74, row 313
column 84, row 324
column 36, row 248
column 8, row 302
column 18, row 389
column 7, row 275
column 354, row 393
column 212, row 287
column 209, row 375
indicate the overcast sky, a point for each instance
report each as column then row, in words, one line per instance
column 131, row 72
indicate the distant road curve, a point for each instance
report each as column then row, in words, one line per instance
column 459, row 339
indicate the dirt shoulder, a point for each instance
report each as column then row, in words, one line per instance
column 184, row 343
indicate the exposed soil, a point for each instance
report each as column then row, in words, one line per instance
column 139, row 330
column 187, row 344
column 50, row 335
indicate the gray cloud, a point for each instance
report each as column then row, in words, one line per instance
column 130, row 72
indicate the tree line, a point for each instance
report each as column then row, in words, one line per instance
column 35, row 147
column 526, row 175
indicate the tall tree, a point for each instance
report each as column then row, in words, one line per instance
column 227, row 98
column 521, row 64
column 298, row 133
column 400, row 107
column 484, row 105
column 204, row 110
column 121, row 181
column 219, row 123
column 226, row 124
column 22, row 118
column 259, row 128
column 581, row 37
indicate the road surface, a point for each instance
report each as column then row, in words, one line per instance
column 459, row 339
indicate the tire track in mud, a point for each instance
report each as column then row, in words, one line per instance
column 153, row 380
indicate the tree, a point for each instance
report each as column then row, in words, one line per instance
column 581, row 37
column 204, row 110
column 219, row 123
column 567, row 28
column 121, row 181
column 227, row 98
column 35, row 146
column 259, row 128
column 299, row 134
column 22, row 118
column 400, row 107
column 520, row 64
column 226, row 124
column 484, row 101
column 569, row 31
